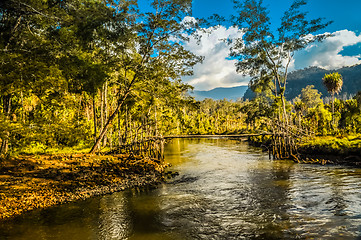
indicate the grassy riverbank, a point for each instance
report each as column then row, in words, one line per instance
column 345, row 150
column 29, row 182
column 333, row 149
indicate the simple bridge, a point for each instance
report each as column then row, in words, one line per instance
column 217, row 136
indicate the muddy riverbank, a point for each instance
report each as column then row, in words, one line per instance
column 41, row 181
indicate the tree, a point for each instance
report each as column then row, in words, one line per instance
column 310, row 96
column 358, row 99
column 52, row 48
column 27, row 56
column 159, row 56
column 265, row 55
column 95, row 34
column 333, row 83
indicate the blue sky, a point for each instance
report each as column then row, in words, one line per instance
column 217, row 70
column 346, row 14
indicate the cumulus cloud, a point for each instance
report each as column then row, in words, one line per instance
column 327, row 54
column 216, row 70
column 188, row 20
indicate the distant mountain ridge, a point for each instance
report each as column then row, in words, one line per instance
column 313, row 76
column 232, row 93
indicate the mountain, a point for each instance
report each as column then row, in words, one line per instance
column 232, row 93
column 313, row 76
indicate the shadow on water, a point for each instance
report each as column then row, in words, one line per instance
column 226, row 190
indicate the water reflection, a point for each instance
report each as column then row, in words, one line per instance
column 66, row 222
column 114, row 217
column 225, row 190
column 268, row 199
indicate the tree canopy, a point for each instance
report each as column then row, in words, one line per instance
column 67, row 63
column 265, row 54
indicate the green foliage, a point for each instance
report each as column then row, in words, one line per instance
column 207, row 117
column 318, row 120
column 358, row 99
column 69, row 67
column 70, row 70
column 349, row 115
column 256, row 111
column 333, row 82
column 265, row 55
column 310, row 97
column 334, row 145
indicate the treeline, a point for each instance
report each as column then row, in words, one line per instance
column 309, row 111
column 311, row 76
column 90, row 73
column 96, row 74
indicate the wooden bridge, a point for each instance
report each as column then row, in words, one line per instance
column 217, row 136
column 153, row 147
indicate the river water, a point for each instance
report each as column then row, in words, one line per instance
column 226, row 190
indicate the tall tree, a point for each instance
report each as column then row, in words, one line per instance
column 53, row 47
column 310, row 96
column 265, row 54
column 92, row 33
column 333, row 83
column 159, row 55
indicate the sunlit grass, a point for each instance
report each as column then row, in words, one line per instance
column 335, row 144
column 39, row 148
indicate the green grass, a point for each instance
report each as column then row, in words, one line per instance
column 334, row 144
column 38, row 148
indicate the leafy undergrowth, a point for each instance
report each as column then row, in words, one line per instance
column 324, row 149
column 332, row 149
column 341, row 145
column 37, row 181
column 39, row 148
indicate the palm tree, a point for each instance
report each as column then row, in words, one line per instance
column 333, row 83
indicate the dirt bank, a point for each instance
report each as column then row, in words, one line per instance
column 31, row 182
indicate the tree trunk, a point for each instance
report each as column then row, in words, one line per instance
column 109, row 121
column 22, row 107
column 285, row 118
column 102, row 107
column 114, row 114
column 333, row 111
column 105, row 110
column 126, row 124
column 7, row 108
column 95, row 119
column 119, row 131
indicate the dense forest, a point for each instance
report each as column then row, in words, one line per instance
column 77, row 72
column 101, row 74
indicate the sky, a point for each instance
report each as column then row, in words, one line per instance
column 217, row 70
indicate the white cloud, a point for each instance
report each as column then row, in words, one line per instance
column 188, row 20
column 327, row 54
column 216, row 70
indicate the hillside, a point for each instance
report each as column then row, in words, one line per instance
column 313, row 76
column 220, row 93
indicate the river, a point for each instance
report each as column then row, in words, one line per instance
column 226, row 189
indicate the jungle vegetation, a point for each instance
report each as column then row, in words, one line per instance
column 100, row 74
column 89, row 73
